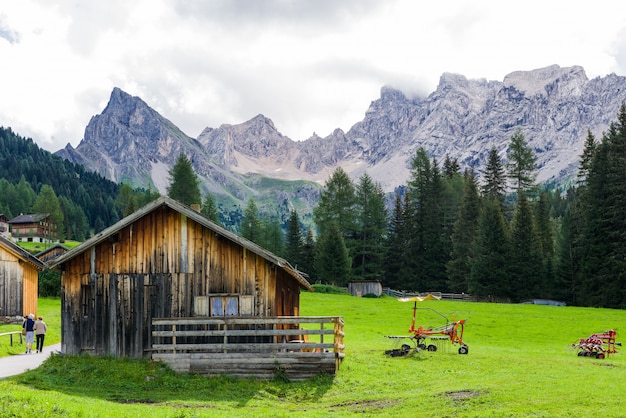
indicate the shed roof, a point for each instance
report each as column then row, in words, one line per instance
column 21, row 253
column 41, row 254
column 192, row 214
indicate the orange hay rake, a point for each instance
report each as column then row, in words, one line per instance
column 451, row 330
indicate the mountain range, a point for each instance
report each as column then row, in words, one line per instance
column 554, row 107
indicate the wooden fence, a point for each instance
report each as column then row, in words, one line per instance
column 10, row 334
column 299, row 347
column 446, row 296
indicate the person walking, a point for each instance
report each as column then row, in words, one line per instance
column 40, row 333
column 29, row 326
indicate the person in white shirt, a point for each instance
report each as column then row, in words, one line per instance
column 40, row 333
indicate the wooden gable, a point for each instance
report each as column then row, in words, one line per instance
column 52, row 252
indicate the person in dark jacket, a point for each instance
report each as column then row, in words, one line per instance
column 29, row 325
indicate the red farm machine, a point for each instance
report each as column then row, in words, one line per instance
column 597, row 345
column 425, row 338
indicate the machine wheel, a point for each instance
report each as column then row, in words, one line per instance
column 463, row 349
column 406, row 348
column 432, row 347
column 600, row 356
column 421, row 346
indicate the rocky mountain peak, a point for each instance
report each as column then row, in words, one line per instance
column 569, row 80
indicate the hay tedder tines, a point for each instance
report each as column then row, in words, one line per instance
column 598, row 345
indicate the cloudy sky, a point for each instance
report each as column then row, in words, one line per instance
column 309, row 65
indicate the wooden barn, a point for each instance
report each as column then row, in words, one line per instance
column 166, row 282
column 19, row 282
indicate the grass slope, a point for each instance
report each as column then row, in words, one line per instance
column 520, row 363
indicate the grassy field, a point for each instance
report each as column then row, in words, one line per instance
column 520, row 363
column 35, row 247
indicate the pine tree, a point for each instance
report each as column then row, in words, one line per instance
column 272, row 237
column 489, row 275
column 125, row 201
column 418, row 219
column 546, row 241
column 604, row 234
column 585, row 159
column 370, row 230
column 494, row 177
column 184, row 183
column 294, row 242
column 209, row 208
column 525, row 264
column 521, row 164
column 332, row 261
column 75, row 221
column 459, row 266
column 48, row 203
column 337, row 205
column 395, row 265
column 450, row 167
column 308, row 255
column 567, row 262
column 251, row 223
column 25, row 197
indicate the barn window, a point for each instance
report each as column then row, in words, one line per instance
column 223, row 305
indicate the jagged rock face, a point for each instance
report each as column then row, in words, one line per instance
column 130, row 142
column 553, row 106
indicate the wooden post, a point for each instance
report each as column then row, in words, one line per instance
column 225, row 337
column 336, row 343
column 174, row 338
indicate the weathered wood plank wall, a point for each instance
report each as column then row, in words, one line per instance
column 18, row 285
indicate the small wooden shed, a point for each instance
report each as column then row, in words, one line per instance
column 19, row 280
column 52, row 252
column 365, row 287
column 168, row 264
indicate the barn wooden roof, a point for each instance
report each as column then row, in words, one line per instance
column 21, row 253
column 192, row 214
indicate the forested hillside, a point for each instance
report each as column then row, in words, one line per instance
column 499, row 236
column 87, row 200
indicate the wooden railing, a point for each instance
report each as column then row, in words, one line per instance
column 10, row 334
column 250, row 346
column 236, row 334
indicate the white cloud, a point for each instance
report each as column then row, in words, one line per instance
column 310, row 66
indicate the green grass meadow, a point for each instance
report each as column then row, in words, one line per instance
column 520, row 364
